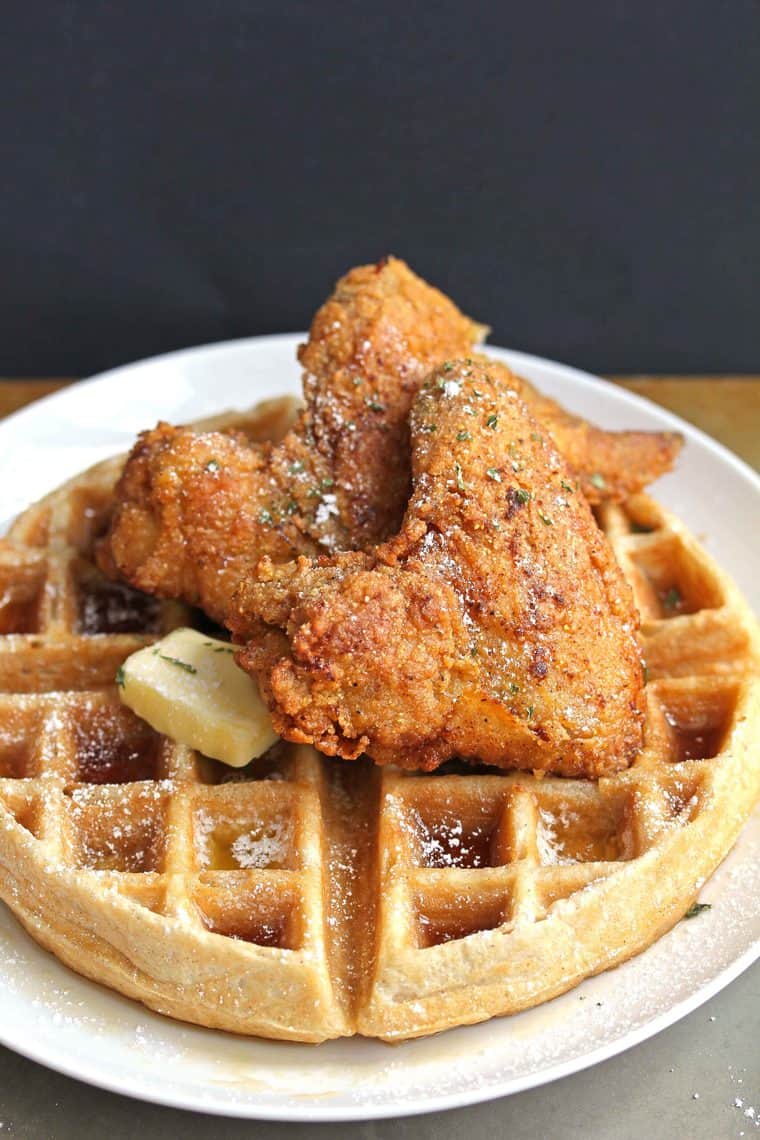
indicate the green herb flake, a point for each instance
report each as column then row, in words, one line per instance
column 544, row 518
column 513, row 688
column 120, row 678
column 188, row 668
column 697, row 908
column 265, row 517
column 291, row 508
column 374, row 404
column 326, row 484
column 494, row 473
column 567, row 486
column 460, row 481
column 474, row 651
column 296, row 466
column 531, row 710
column 645, row 673
column 463, row 435
column 429, row 428
column 598, row 481
column 672, row 599
column 523, row 496
column 478, row 394
column 213, row 465
column 447, row 365
column 223, row 649
column 492, row 421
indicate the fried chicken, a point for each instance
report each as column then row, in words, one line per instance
column 610, row 465
column 496, row 626
column 195, row 511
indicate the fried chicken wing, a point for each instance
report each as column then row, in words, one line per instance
column 194, row 513
column 496, row 626
column 610, row 465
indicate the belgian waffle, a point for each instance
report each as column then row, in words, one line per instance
column 308, row 898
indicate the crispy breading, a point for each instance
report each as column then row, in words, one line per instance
column 194, row 511
column 188, row 525
column 496, row 626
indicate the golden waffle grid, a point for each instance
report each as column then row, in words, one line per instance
column 307, row 898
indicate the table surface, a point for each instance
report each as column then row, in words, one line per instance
column 697, row 1080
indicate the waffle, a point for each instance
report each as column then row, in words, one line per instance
column 308, row 898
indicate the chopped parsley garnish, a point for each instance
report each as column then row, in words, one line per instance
column 474, row 651
column 523, row 496
column 188, row 668
column 374, row 404
column 326, row 484
column 223, row 649
column 544, row 518
column 291, row 508
column 478, row 394
column 120, row 677
column 492, row 421
column 672, row 599
column 463, row 435
column 598, row 481
column 265, row 517
column 296, row 466
column 531, row 710
column 513, row 688
column 447, row 365
column 460, row 481
column 645, row 673
column 697, row 908
column 213, row 465
column 430, row 427
column 567, row 486
column 494, row 473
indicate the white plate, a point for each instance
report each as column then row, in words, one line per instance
column 75, row 1026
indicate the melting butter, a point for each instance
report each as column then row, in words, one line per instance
column 188, row 687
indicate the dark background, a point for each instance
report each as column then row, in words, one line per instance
column 584, row 176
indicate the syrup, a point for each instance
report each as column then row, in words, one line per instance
column 701, row 744
column 14, row 759
column 112, row 607
column 20, row 617
column 105, row 755
column 450, row 842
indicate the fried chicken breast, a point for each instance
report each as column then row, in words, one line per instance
column 496, row 626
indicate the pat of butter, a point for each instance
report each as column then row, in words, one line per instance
column 188, row 687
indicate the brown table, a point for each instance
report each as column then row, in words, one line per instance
column 693, row 1080
column 726, row 407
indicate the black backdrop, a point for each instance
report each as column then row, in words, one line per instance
column 585, row 176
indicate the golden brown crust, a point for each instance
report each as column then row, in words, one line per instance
column 194, row 511
column 496, row 626
column 340, row 479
